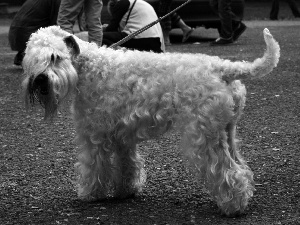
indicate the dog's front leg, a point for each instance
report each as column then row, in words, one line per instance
column 95, row 169
column 129, row 176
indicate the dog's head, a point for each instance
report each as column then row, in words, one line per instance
column 49, row 74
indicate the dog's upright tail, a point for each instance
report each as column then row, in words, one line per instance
column 259, row 67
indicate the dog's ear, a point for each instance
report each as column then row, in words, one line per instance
column 72, row 45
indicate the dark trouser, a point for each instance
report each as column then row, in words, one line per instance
column 275, row 9
column 18, row 38
column 141, row 44
column 164, row 7
column 229, row 21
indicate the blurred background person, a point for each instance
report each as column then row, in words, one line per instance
column 68, row 14
column 275, row 9
column 164, row 7
column 32, row 15
column 128, row 16
column 231, row 25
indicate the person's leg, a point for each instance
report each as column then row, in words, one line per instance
column 237, row 25
column 274, row 10
column 166, row 34
column 239, row 29
column 178, row 22
column 294, row 8
column 68, row 12
column 224, row 9
column 187, row 30
column 93, row 10
column 164, row 8
column 19, row 58
column 214, row 6
column 18, row 37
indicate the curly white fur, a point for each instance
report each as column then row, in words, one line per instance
column 123, row 97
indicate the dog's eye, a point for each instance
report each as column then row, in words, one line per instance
column 55, row 58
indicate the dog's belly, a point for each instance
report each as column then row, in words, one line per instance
column 154, row 131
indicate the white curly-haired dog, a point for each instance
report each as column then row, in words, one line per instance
column 122, row 97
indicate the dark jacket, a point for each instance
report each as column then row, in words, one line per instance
column 33, row 15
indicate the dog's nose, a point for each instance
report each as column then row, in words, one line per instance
column 41, row 83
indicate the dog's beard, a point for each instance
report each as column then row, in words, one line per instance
column 41, row 90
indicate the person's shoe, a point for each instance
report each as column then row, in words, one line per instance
column 221, row 41
column 187, row 35
column 19, row 58
column 273, row 18
column 238, row 31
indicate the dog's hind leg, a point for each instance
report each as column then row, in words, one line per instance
column 206, row 145
column 239, row 97
column 130, row 176
column 233, row 147
column 230, row 181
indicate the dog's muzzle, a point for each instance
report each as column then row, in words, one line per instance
column 40, row 85
column 40, row 90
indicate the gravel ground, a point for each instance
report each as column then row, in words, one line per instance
column 37, row 157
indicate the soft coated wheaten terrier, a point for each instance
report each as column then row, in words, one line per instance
column 122, row 97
